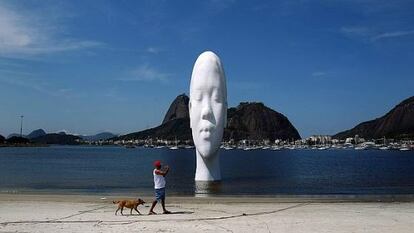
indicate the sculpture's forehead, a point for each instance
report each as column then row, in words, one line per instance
column 207, row 74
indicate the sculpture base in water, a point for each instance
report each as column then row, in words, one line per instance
column 207, row 188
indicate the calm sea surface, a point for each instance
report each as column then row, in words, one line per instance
column 118, row 170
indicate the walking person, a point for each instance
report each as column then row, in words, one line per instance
column 159, row 186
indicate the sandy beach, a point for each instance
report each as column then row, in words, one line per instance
column 74, row 213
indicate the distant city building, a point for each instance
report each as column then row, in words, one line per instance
column 349, row 140
column 320, row 139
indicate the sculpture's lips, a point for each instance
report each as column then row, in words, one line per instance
column 208, row 129
column 206, row 132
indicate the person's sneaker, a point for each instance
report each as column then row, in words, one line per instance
column 167, row 212
column 152, row 213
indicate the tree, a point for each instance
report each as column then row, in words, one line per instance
column 18, row 140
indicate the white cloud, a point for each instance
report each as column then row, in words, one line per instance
column 392, row 34
column 356, row 31
column 153, row 50
column 146, row 73
column 9, row 71
column 372, row 35
column 319, row 74
column 25, row 34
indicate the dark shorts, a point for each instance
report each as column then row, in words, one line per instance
column 160, row 194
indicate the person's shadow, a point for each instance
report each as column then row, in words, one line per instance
column 172, row 212
column 182, row 212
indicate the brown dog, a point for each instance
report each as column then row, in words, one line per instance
column 131, row 204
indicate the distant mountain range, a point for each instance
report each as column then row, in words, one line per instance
column 57, row 138
column 40, row 136
column 397, row 123
column 36, row 133
column 99, row 136
column 252, row 121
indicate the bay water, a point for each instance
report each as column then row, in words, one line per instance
column 118, row 170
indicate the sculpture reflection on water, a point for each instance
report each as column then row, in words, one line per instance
column 207, row 188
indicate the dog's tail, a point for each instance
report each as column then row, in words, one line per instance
column 115, row 202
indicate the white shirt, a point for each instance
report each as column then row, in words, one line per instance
column 159, row 180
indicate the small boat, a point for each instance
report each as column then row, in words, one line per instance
column 404, row 148
column 176, row 145
column 275, row 148
column 384, row 148
column 360, row 147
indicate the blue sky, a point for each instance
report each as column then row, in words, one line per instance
column 93, row 66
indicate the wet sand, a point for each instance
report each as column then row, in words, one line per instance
column 77, row 213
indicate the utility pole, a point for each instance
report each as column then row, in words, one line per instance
column 21, row 126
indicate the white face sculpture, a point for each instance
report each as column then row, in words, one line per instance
column 208, row 104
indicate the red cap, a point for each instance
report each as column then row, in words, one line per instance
column 157, row 163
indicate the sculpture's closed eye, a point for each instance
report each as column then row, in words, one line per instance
column 217, row 99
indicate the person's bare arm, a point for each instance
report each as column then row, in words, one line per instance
column 163, row 172
column 167, row 169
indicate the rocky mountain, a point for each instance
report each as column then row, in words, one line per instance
column 178, row 128
column 397, row 123
column 178, row 108
column 57, row 138
column 99, row 136
column 252, row 121
column 36, row 133
column 255, row 121
column 2, row 139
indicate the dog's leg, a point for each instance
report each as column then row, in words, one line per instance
column 130, row 212
column 136, row 209
column 122, row 209
column 116, row 212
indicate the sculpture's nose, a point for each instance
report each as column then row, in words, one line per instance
column 206, row 112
